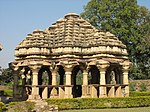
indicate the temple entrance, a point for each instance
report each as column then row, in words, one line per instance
column 77, row 81
column 44, row 79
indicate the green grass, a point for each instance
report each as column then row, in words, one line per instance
column 142, row 109
column 136, row 94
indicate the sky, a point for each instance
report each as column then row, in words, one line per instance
column 20, row 17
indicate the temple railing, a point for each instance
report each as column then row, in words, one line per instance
column 93, row 90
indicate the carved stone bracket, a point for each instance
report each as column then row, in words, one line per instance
column 35, row 68
column 102, row 65
column 126, row 66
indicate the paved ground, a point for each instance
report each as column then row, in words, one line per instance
column 142, row 109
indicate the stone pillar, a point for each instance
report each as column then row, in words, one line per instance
column 35, row 90
column 85, row 84
column 54, row 76
column 15, row 86
column 23, row 76
column 125, row 69
column 102, row 68
column 54, row 83
column 68, row 87
column 28, row 89
column 28, row 78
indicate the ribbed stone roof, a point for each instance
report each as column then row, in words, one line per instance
column 70, row 31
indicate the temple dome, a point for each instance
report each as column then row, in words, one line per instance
column 70, row 35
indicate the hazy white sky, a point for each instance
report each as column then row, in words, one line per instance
column 20, row 17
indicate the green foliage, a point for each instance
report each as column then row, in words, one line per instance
column 2, row 107
column 130, row 23
column 100, row 103
column 143, row 87
column 79, row 78
column 8, row 92
column 137, row 94
column 6, row 76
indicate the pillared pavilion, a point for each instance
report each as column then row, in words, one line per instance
column 70, row 59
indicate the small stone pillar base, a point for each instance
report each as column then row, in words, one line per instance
column 54, row 93
column 102, row 92
column 118, row 92
column 111, row 92
column 84, row 91
column 34, row 97
column 45, row 93
column 61, row 92
column 93, row 92
column 126, row 91
column 68, row 92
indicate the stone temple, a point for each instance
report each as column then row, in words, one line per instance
column 70, row 59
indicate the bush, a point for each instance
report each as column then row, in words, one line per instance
column 2, row 106
column 8, row 92
column 100, row 103
column 136, row 94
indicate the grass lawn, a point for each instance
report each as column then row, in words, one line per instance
column 141, row 109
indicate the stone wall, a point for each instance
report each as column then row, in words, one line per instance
column 139, row 84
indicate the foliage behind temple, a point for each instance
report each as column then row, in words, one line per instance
column 130, row 23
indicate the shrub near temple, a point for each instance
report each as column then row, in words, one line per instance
column 137, row 94
column 99, row 103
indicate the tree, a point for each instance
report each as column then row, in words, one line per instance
column 129, row 22
column 6, row 76
column 142, row 49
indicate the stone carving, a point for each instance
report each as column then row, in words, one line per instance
column 112, row 75
column 72, row 44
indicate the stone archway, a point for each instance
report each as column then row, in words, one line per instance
column 44, row 79
column 61, row 75
column 114, row 80
column 77, row 81
column 113, row 75
column 94, row 81
column 95, row 75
